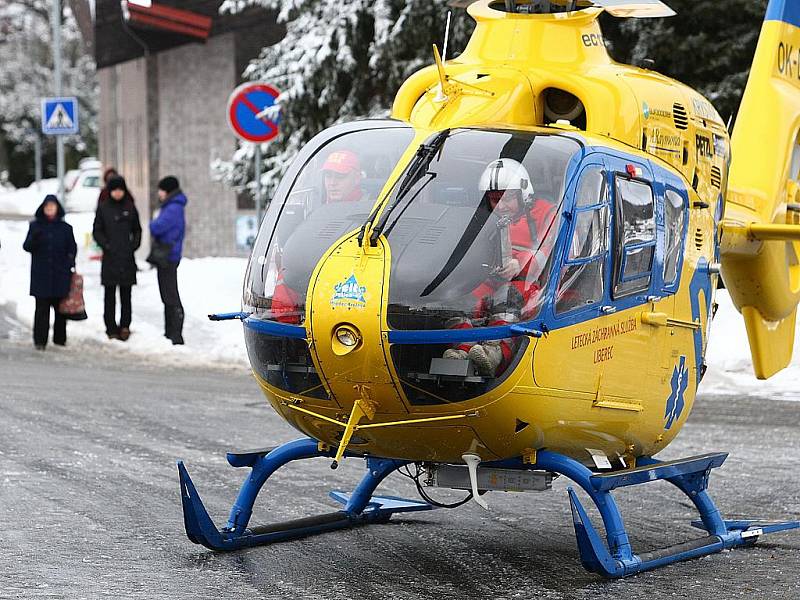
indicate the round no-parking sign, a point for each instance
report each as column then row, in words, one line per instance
column 247, row 106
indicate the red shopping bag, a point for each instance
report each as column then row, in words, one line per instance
column 72, row 306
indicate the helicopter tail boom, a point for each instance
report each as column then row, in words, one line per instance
column 760, row 244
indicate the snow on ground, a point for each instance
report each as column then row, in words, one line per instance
column 25, row 201
column 210, row 285
column 206, row 285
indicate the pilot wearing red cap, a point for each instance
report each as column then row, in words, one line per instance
column 342, row 173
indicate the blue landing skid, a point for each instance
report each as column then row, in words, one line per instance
column 612, row 557
column 360, row 507
column 615, row 558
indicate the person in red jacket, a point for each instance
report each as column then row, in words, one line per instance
column 513, row 291
column 342, row 177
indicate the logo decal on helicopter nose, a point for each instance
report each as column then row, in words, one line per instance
column 675, row 402
column 349, row 294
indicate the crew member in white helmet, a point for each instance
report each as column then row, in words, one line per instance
column 513, row 290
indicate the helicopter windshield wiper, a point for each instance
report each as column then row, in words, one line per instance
column 415, row 171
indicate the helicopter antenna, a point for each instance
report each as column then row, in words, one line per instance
column 446, row 37
column 441, row 96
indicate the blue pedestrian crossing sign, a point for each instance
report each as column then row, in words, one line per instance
column 60, row 116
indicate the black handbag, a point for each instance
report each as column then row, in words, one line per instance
column 159, row 253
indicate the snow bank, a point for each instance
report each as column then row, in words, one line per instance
column 25, row 201
column 206, row 285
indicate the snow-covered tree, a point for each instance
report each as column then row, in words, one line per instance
column 26, row 73
column 339, row 61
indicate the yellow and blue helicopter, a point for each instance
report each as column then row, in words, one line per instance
column 512, row 279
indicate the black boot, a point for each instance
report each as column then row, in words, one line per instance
column 176, row 331
column 167, row 321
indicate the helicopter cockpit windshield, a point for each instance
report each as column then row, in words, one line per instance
column 330, row 190
column 472, row 239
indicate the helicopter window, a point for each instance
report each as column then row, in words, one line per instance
column 794, row 169
column 330, row 193
column 284, row 363
column 471, row 241
column 472, row 237
column 636, row 239
column 591, row 189
column 589, row 240
column 675, row 217
column 583, row 275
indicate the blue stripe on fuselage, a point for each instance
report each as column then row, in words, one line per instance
column 787, row 11
column 701, row 282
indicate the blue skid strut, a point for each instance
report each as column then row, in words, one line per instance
column 360, row 507
column 615, row 558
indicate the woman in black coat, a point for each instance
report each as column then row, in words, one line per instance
column 52, row 246
column 118, row 232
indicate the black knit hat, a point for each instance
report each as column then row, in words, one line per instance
column 116, row 183
column 169, row 184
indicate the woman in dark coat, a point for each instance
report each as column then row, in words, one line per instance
column 118, row 232
column 52, row 246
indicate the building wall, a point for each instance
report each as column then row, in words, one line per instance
column 194, row 82
column 162, row 112
column 123, row 132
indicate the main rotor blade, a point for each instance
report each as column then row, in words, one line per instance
column 640, row 10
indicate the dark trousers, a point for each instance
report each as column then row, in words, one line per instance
column 110, row 308
column 173, row 309
column 41, row 322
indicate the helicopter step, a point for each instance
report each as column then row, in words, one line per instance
column 360, row 506
column 615, row 558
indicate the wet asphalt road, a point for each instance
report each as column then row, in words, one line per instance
column 90, row 505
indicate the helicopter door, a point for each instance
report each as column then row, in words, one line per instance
column 582, row 288
column 605, row 279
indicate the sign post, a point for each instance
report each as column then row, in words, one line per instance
column 56, row 23
column 254, row 117
column 257, row 169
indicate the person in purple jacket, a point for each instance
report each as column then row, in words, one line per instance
column 169, row 228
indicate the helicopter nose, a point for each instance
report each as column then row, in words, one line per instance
column 346, row 325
